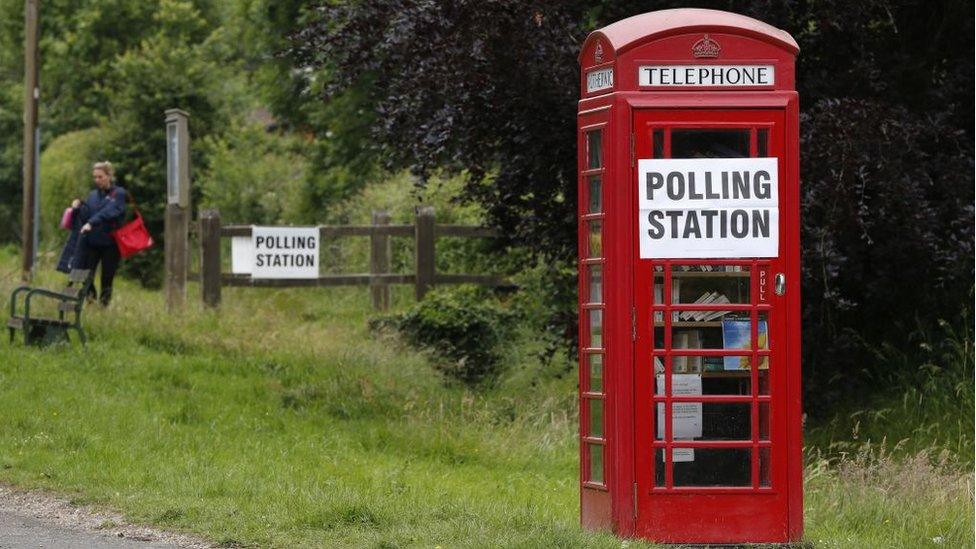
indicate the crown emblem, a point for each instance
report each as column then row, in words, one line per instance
column 598, row 52
column 706, row 47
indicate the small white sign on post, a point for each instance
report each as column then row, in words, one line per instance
column 285, row 252
column 708, row 208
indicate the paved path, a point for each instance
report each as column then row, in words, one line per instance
column 31, row 520
column 20, row 531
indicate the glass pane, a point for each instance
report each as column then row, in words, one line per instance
column 705, row 421
column 658, row 143
column 595, row 238
column 737, row 334
column 596, row 463
column 765, row 466
column 596, row 327
column 710, row 143
column 595, row 192
column 659, row 466
column 596, row 283
column 711, row 466
column 764, row 378
column 659, row 297
column 763, row 421
column 594, row 146
column 687, row 335
column 712, row 382
column 596, row 417
column 762, row 143
column 707, row 285
column 596, row 372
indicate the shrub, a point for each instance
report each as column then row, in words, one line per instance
column 66, row 174
column 253, row 176
column 463, row 328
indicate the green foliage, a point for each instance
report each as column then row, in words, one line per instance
column 927, row 404
column 465, row 329
column 171, row 68
column 66, row 175
column 11, row 153
column 253, row 176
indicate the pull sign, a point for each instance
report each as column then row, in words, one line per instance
column 601, row 79
column 706, row 76
column 708, row 207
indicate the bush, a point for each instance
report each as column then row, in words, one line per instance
column 463, row 328
column 66, row 174
column 253, row 176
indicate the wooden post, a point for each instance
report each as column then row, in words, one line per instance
column 177, row 219
column 31, row 139
column 379, row 262
column 424, row 249
column 210, row 257
column 176, row 256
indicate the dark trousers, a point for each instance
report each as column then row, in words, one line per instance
column 108, row 257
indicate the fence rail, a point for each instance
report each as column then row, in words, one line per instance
column 424, row 232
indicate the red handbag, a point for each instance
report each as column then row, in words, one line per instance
column 133, row 237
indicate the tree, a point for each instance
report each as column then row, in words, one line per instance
column 490, row 87
column 173, row 67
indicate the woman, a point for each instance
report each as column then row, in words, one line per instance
column 100, row 213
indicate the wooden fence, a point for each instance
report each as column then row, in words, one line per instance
column 424, row 232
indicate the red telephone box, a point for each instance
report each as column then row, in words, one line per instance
column 689, row 280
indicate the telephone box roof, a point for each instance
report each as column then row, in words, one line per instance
column 628, row 33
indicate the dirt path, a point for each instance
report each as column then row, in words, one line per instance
column 32, row 520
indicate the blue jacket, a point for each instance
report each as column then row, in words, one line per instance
column 105, row 211
column 70, row 256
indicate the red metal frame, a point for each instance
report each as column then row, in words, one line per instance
column 627, row 502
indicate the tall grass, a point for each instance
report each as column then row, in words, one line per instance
column 925, row 405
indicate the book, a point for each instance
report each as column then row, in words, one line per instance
column 712, row 315
column 713, row 364
column 694, row 363
column 700, row 315
column 658, row 300
column 690, row 315
column 737, row 334
column 679, row 364
column 675, row 296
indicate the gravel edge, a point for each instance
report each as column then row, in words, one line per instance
column 58, row 511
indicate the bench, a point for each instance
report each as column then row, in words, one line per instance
column 42, row 330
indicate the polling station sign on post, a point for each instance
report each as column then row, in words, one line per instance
column 708, row 207
column 278, row 252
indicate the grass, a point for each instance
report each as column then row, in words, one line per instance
column 281, row 422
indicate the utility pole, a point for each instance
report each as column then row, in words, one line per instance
column 31, row 137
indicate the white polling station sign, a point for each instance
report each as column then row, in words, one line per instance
column 708, row 207
column 241, row 255
column 285, row 252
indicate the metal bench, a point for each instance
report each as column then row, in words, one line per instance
column 42, row 330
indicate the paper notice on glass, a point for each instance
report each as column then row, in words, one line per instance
column 686, row 417
column 681, row 455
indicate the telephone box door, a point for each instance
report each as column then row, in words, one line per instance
column 711, row 369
